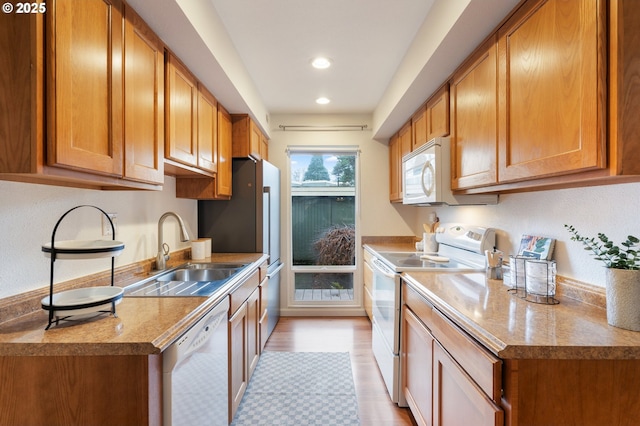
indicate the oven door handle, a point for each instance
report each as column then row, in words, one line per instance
column 382, row 268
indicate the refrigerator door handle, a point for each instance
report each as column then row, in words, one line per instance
column 267, row 190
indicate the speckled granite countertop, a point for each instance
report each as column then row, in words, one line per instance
column 144, row 325
column 513, row 328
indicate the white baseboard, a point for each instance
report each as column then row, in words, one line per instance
column 320, row 311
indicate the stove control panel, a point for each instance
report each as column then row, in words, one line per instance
column 476, row 239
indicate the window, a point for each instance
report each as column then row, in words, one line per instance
column 323, row 225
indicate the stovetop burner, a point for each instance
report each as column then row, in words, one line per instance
column 405, row 261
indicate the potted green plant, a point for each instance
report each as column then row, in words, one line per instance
column 622, row 276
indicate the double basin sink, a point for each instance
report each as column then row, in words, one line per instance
column 191, row 279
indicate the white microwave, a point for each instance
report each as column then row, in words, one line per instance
column 426, row 177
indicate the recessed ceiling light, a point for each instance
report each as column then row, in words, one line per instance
column 321, row 63
column 323, row 101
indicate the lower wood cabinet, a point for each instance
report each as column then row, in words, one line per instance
column 457, row 400
column 81, row 390
column 264, row 313
column 238, row 378
column 417, row 364
column 447, row 378
column 253, row 331
column 368, row 285
column 244, row 339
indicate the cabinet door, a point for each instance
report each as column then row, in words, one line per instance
column 84, row 123
column 368, row 285
column 264, row 147
column 255, row 140
column 264, row 313
column 419, row 127
column 457, row 400
column 416, row 366
column 238, row 378
column 552, row 115
column 406, row 139
column 395, row 168
column 143, row 101
column 474, row 114
column 207, row 130
column 253, row 331
column 181, row 105
column 438, row 114
column 225, row 147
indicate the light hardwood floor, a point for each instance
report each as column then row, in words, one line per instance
column 353, row 335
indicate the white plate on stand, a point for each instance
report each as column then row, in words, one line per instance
column 81, row 301
column 84, row 249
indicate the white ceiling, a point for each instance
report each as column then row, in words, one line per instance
column 388, row 55
column 366, row 39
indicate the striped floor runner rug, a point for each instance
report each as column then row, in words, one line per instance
column 300, row 388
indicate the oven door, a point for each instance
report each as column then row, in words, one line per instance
column 386, row 304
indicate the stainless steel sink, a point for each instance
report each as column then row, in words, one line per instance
column 192, row 279
column 197, row 275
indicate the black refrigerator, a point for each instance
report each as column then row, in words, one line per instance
column 249, row 222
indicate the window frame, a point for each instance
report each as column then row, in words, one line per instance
column 347, row 269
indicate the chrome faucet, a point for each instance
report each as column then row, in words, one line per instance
column 163, row 248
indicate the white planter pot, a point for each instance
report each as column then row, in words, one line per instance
column 623, row 298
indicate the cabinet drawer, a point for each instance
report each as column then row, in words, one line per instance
column 240, row 294
column 368, row 276
column 264, row 267
column 418, row 304
column 483, row 367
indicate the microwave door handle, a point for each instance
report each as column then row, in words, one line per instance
column 427, row 168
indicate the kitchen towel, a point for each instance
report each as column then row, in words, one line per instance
column 300, row 388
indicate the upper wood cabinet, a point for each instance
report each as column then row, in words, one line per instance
column 181, row 143
column 63, row 115
column 431, row 120
column 552, row 106
column 248, row 139
column 225, row 156
column 474, row 114
column 395, row 179
column 437, row 110
column 143, row 101
column 399, row 145
column 567, row 99
column 190, row 182
column 419, row 128
column 207, row 130
column 84, row 126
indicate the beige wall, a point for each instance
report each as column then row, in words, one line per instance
column 611, row 209
column 29, row 212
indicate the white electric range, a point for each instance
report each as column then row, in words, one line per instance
column 460, row 249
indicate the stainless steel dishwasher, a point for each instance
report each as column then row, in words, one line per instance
column 195, row 373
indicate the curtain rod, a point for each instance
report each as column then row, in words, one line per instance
column 336, row 128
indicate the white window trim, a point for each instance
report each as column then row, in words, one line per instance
column 324, row 308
